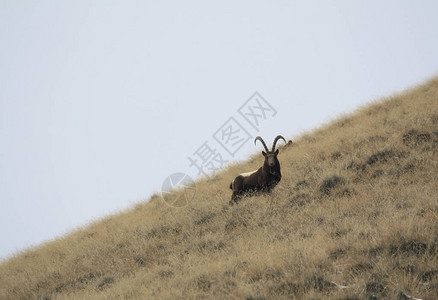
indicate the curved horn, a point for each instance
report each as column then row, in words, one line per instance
column 263, row 142
column 276, row 140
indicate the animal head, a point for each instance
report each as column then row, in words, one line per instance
column 271, row 162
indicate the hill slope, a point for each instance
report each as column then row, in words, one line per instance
column 354, row 217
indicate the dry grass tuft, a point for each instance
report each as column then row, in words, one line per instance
column 354, row 217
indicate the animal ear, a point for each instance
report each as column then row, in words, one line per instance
column 264, row 153
column 276, row 152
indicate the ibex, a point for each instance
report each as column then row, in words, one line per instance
column 262, row 180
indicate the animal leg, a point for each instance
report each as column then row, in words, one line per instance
column 235, row 198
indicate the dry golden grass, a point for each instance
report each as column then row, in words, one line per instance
column 354, row 217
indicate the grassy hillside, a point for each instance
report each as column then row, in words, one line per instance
column 354, row 217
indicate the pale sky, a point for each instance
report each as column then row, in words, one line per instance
column 101, row 101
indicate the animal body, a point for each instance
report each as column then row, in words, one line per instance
column 262, row 180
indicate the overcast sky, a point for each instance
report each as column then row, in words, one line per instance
column 101, row 101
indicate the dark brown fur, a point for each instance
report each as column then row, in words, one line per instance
column 261, row 181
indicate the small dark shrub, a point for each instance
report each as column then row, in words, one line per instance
column 356, row 166
column 378, row 138
column 211, row 246
column 346, row 192
column 374, row 287
column 338, row 233
column 416, row 138
column 373, row 252
column 429, row 275
column 301, row 184
column 409, row 168
column 361, row 267
column 232, row 224
column 409, row 248
column 204, row 219
column 336, row 155
column 106, row 282
column 377, row 173
column 330, row 183
column 410, row 269
column 286, row 289
column 204, row 284
column 319, row 284
column 165, row 273
column 274, row 275
column 381, row 157
column 337, row 253
column 141, row 261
